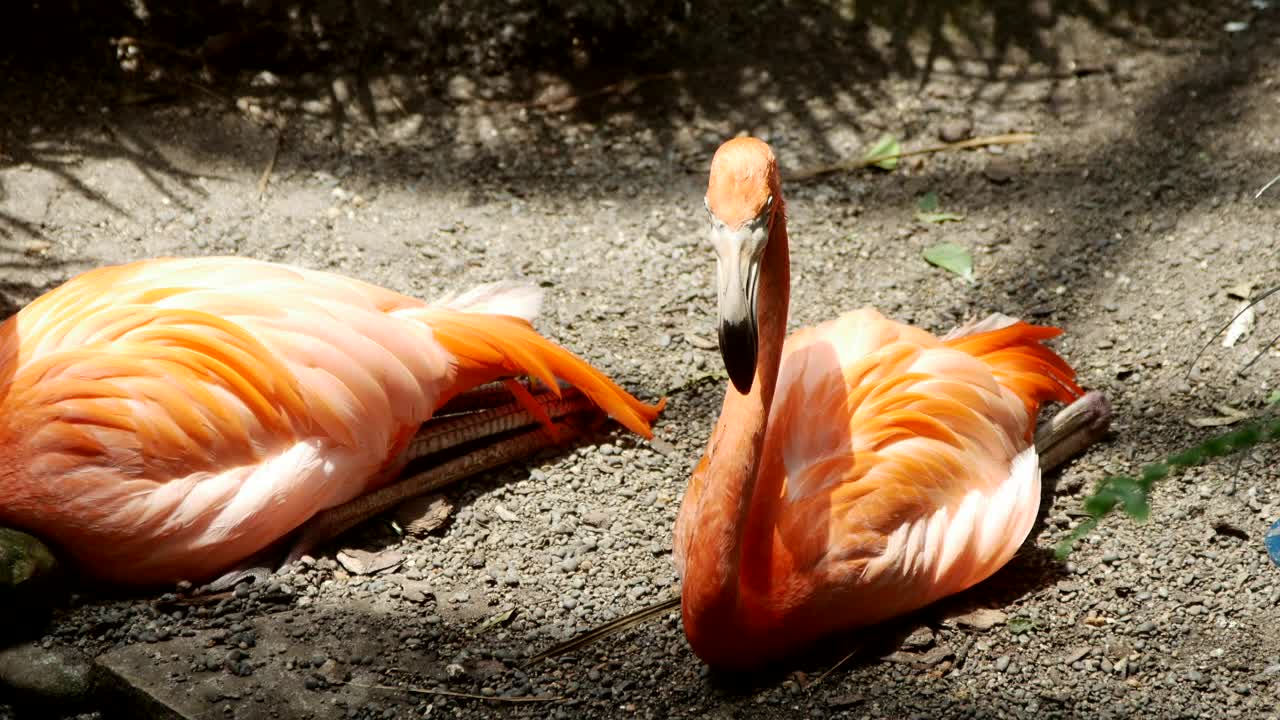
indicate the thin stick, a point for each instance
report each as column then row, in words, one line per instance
column 835, row 667
column 1255, row 301
column 469, row 696
column 271, row 165
column 610, row 628
column 1266, row 187
column 1007, row 139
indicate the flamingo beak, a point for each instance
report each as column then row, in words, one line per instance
column 738, row 253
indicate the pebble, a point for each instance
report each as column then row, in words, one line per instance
column 954, row 130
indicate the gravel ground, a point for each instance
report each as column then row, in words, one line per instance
column 1130, row 221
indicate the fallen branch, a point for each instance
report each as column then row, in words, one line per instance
column 984, row 141
column 610, row 628
column 470, row 696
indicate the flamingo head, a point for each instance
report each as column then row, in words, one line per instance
column 743, row 199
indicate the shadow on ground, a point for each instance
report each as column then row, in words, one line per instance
column 658, row 66
column 398, row 73
column 400, row 660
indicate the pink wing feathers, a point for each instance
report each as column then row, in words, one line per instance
column 897, row 467
column 171, row 417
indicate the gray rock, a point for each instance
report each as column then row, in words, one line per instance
column 56, row 677
column 23, row 559
column 139, row 679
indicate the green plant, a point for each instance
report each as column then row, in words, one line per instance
column 1132, row 494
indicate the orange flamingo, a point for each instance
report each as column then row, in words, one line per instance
column 170, row 419
column 862, row 468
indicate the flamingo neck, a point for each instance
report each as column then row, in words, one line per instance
column 713, row 606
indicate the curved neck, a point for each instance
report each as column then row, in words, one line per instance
column 711, row 602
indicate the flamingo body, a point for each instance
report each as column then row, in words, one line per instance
column 168, row 418
column 870, row 469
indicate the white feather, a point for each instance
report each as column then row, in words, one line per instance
column 509, row 297
column 994, row 321
column 961, row 544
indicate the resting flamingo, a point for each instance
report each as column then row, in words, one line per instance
column 862, row 468
column 174, row 418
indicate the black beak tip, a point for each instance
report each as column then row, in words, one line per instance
column 742, row 380
column 738, row 350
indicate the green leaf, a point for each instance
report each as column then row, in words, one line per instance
column 884, row 154
column 1019, row 624
column 928, row 202
column 1064, row 548
column 501, row 618
column 953, row 257
column 937, row 218
column 1101, row 502
column 1152, row 473
column 1274, row 397
column 1134, row 498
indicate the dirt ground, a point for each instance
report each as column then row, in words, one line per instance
column 427, row 150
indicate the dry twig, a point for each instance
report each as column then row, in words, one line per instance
column 984, row 141
column 453, row 693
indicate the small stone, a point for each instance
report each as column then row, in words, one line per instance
column 331, row 673
column 596, row 518
column 954, row 130
column 980, row 619
column 363, row 562
column 421, row 515
column 920, row 638
column 1076, row 655
column 700, row 342
column 1000, row 170
column 1002, row 663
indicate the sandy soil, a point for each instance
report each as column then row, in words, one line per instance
column 427, row 151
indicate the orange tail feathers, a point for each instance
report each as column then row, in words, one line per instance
column 1021, row 363
column 490, row 347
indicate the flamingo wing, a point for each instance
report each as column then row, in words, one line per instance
column 175, row 416
column 900, row 466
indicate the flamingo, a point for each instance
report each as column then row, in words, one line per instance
column 177, row 419
column 862, row 468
